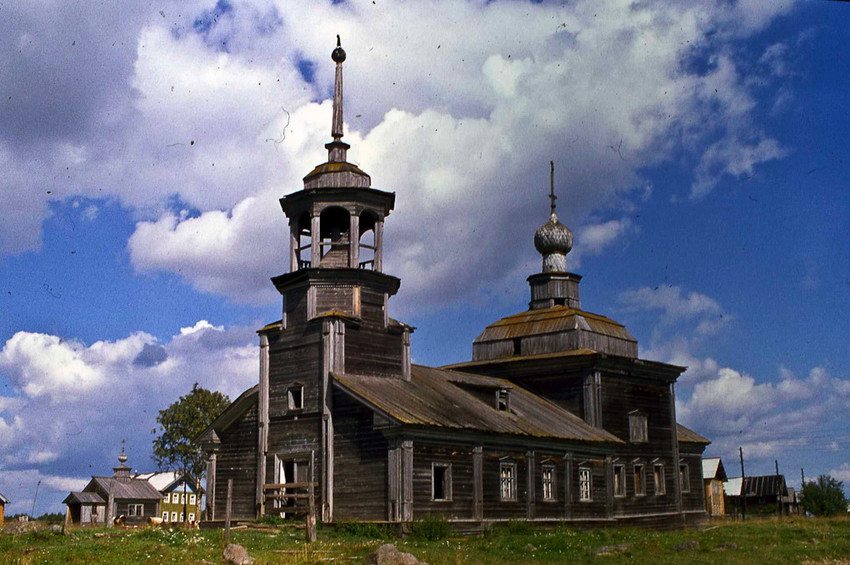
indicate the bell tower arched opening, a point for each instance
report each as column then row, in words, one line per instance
column 368, row 240
column 334, row 230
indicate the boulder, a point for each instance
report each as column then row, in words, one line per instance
column 236, row 554
column 387, row 554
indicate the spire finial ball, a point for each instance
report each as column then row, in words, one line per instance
column 338, row 54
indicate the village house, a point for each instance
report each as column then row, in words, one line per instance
column 3, row 502
column 104, row 499
column 713, row 477
column 554, row 419
column 181, row 496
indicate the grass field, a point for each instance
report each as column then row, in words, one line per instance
column 810, row 541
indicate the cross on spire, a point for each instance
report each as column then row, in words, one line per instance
column 552, row 196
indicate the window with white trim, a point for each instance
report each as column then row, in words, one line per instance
column 192, row 499
column 619, row 480
column 658, row 479
column 548, row 487
column 191, row 516
column 135, row 509
column 585, row 484
column 441, row 481
column 507, row 481
column 165, row 516
column 174, row 516
column 638, row 427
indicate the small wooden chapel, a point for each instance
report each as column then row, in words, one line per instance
column 554, row 419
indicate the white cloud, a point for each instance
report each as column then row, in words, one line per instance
column 59, row 413
column 219, row 119
column 675, row 304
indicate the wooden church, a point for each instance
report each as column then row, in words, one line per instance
column 555, row 418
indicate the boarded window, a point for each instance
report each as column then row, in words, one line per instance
column 684, row 479
column 441, row 481
column 585, row 484
column 619, row 480
column 548, row 482
column 638, row 432
column 507, row 481
column 640, row 480
column 658, row 476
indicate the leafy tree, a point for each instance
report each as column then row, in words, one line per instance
column 824, row 497
column 179, row 425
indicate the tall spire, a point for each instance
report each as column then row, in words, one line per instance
column 552, row 196
column 337, row 149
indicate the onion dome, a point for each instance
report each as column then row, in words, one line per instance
column 553, row 239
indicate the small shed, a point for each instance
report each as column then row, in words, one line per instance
column 713, row 477
column 762, row 494
column 3, row 502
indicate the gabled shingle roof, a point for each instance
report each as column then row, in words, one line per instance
column 689, row 436
column 84, row 498
column 451, row 399
column 134, row 489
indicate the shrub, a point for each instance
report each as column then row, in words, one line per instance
column 363, row 530
column 430, row 527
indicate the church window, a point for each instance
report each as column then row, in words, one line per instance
column 507, row 481
column 585, row 484
column 503, row 400
column 619, row 480
column 638, row 432
column 658, row 476
column 640, row 480
column 441, row 481
column 684, row 479
column 548, row 482
column 295, row 397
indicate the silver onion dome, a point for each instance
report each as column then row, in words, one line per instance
column 553, row 240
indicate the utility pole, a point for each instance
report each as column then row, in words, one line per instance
column 34, row 498
column 743, row 481
column 779, row 492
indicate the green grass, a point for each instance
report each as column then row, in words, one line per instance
column 810, row 541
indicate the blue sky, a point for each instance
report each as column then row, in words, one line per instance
column 701, row 161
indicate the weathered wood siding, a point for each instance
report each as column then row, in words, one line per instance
column 295, row 358
column 237, row 460
column 373, row 350
column 459, row 457
column 360, row 463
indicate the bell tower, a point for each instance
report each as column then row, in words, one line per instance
column 336, row 226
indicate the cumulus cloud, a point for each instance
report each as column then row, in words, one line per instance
column 74, row 402
column 224, row 105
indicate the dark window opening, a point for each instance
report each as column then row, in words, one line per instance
column 503, row 400
column 295, row 398
column 517, row 346
column 441, row 482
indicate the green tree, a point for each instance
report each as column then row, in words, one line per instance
column 824, row 497
column 180, row 424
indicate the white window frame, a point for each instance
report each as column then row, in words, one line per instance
column 659, row 479
column 619, row 480
column 585, row 484
column 192, row 499
column 135, row 509
column 549, row 482
column 446, row 469
column 191, row 517
column 174, row 516
column 507, row 481
column 165, row 516
column 638, row 427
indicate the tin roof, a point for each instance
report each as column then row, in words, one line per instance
column 712, row 468
column 166, row 481
column 552, row 320
column 689, row 436
column 451, row 399
column 3, row 499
